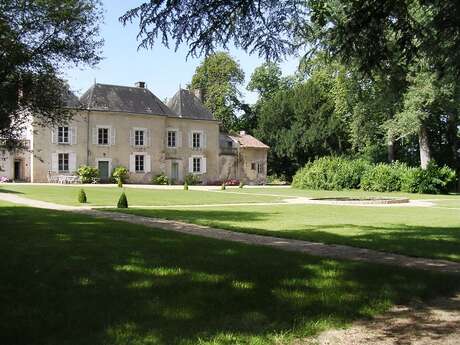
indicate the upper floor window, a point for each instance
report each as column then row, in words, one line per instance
column 196, row 140
column 196, row 164
column 139, row 163
column 139, row 137
column 172, row 138
column 63, row 162
column 103, row 136
column 63, row 135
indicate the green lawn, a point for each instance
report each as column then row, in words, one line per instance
column 416, row 231
column 107, row 196
column 70, row 279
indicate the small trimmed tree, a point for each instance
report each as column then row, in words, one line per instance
column 185, row 185
column 223, row 186
column 82, row 197
column 123, row 201
column 241, row 184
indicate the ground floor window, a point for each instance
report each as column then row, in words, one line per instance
column 260, row 168
column 196, row 164
column 139, row 163
column 63, row 162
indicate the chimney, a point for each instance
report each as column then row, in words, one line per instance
column 140, row 84
column 198, row 94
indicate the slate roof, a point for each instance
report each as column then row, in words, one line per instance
column 70, row 99
column 186, row 104
column 246, row 140
column 137, row 100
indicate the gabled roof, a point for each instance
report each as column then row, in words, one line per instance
column 185, row 104
column 246, row 140
column 137, row 100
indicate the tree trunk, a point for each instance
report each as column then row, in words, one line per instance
column 391, row 149
column 424, row 146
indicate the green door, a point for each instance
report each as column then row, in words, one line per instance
column 103, row 167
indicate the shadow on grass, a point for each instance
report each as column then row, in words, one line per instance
column 422, row 241
column 9, row 191
column 77, row 280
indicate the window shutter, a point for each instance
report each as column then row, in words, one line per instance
column 53, row 136
column 131, row 137
column 112, row 136
column 149, row 136
column 94, row 136
column 132, row 163
column 203, row 165
column 190, row 139
column 73, row 135
column 190, row 165
column 204, row 140
column 72, row 162
column 147, row 164
column 179, row 139
column 54, row 162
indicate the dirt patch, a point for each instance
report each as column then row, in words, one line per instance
column 434, row 323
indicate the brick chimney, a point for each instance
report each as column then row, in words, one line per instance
column 140, row 84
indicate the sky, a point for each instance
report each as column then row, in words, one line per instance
column 161, row 68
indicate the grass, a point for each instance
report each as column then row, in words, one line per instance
column 70, row 279
column 107, row 196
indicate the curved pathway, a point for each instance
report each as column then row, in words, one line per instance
column 311, row 248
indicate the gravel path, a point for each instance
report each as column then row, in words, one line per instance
column 311, row 248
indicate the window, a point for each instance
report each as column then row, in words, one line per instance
column 260, row 168
column 139, row 163
column 196, row 140
column 63, row 162
column 103, row 136
column 63, row 135
column 253, row 166
column 139, row 137
column 172, row 138
column 196, row 164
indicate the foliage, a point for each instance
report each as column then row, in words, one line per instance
column 160, row 179
column 276, row 179
column 119, row 183
column 87, row 174
column 122, row 201
column 432, row 180
column 185, row 185
column 241, row 185
column 384, row 177
column 38, row 39
column 222, row 187
column 82, row 196
column 331, row 173
column 120, row 174
column 191, row 179
column 218, row 78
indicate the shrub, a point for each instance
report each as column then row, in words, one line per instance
column 185, row 185
column 276, row 179
column 433, row 180
column 223, row 186
column 82, row 197
column 123, row 201
column 241, row 184
column 87, row 174
column 384, row 177
column 331, row 173
column 160, row 179
column 120, row 175
column 191, row 179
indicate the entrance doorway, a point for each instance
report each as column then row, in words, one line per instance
column 174, row 172
column 17, row 170
column 103, row 167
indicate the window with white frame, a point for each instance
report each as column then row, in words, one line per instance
column 172, row 138
column 139, row 137
column 63, row 135
column 196, row 140
column 63, row 162
column 139, row 163
column 103, row 136
column 196, row 164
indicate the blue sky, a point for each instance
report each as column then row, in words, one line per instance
column 161, row 68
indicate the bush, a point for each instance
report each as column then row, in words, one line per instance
column 82, row 197
column 120, row 175
column 191, row 179
column 331, row 173
column 433, row 180
column 160, row 179
column 277, row 179
column 185, row 185
column 123, row 201
column 384, row 177
column 241, row 184
column 87, row 174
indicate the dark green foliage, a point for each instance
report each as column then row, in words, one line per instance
column 185, row 185
column 432, row 180
column 120, row 183
column 82, row 196
column 384, row 177
column 160, row 179
column 87, row 174
column 123, row 201
column 191, row 179
column 120, row 175
column 331, row 173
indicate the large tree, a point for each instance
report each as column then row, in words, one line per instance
column 37, row 39
column 218, row 78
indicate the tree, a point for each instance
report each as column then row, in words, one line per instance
column 266, row 79
column 218, row 78
column 38, row 38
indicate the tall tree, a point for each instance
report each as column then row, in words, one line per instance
column 218, row 78
column 38, row 38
